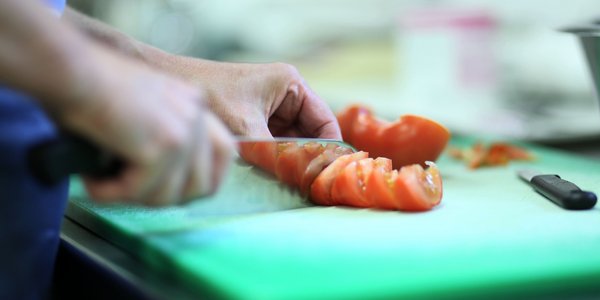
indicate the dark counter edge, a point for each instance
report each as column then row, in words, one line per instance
column 90, row 267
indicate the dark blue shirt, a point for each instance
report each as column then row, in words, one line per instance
column 30, row 213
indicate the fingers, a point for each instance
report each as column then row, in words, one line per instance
column 302, row 113
column 183, row 157
column 317, row 119
column 211, row 160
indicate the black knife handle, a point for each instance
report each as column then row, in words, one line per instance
column 563, row 193
column 54, row 160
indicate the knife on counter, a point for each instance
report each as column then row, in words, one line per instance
column 56, row 159
column 560, row 191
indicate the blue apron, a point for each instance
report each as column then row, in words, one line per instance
column 30, row 213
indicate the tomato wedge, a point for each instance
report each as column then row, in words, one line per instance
column 409, row 140
column 379, row 190
column 418, row 189
column 320, row 191
column 314, row 168
column 287, row 163
column 349, row 188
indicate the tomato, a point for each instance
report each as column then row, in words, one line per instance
column 409, row 140
column 348, row 186
column 265, row 155
column 379, row 190
column 247, row 153
column 307, row 153
column 320, row 191
column 416, row 189
column 314, row 168
column 287, row 163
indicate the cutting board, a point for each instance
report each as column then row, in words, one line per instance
column 257, row 239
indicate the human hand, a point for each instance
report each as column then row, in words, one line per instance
column 174, row 149
column 259, row 99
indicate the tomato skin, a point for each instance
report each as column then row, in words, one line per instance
column 417, row 189
column 319, row 163
column 287, row 163
column 320, row 191
column 409, row 140
column 347, row 188
column 265, row 155
column 379, row 190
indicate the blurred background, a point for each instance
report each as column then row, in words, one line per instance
column 496, row 67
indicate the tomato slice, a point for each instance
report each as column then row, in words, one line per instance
column 306, row 154
column 320, row 191
column 417, row 189
column 379, row 190
column 314, row 168
column 287, row 163
column 409, row 140
column 347, row 188
column 265, row 155
column 247, row 153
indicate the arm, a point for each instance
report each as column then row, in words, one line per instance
column 252, row 99
column 113, row 38
column 36, row 53
column 172, row 147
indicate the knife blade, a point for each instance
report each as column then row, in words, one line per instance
column 51, row 161
column 560, row 191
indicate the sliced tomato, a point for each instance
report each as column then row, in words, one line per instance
column 347, row 188
column 320, row 191
column 265, row 155
column 247, row 153
column 287, row 163
column 410, row 139
column 314, row 168
column 418, row 189
column 306, row 154
column 379, row 190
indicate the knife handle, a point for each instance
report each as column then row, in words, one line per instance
column 562, row 192
column 54, row 160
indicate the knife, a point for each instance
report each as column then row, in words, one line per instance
column 562, row 192
column 52, row 161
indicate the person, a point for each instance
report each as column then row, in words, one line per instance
column 171, row 118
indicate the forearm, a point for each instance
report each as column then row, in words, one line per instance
column 38, row 54
column 113, row 38
column 152, row 56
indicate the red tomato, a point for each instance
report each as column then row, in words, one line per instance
column 417, row 189
column 409, row 140
column 264, row 155
column 314, row 168
column 287, row 163
column 320, row 191
column 347, row 188
column 306, row 154
column 247, row 153
column 379, row 189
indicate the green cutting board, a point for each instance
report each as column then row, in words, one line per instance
column 492, row 235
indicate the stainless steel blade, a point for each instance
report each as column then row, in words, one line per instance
column 527, row 174
column 300, row 141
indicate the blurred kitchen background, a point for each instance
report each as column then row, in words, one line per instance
column 496, row 67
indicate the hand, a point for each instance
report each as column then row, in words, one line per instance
column 259, row 99
column 174, row 148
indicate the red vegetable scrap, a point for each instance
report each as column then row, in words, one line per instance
column 494, row 154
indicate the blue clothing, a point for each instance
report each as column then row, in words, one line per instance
column 30, row 213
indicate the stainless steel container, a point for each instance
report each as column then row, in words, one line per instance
column 589, row 36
